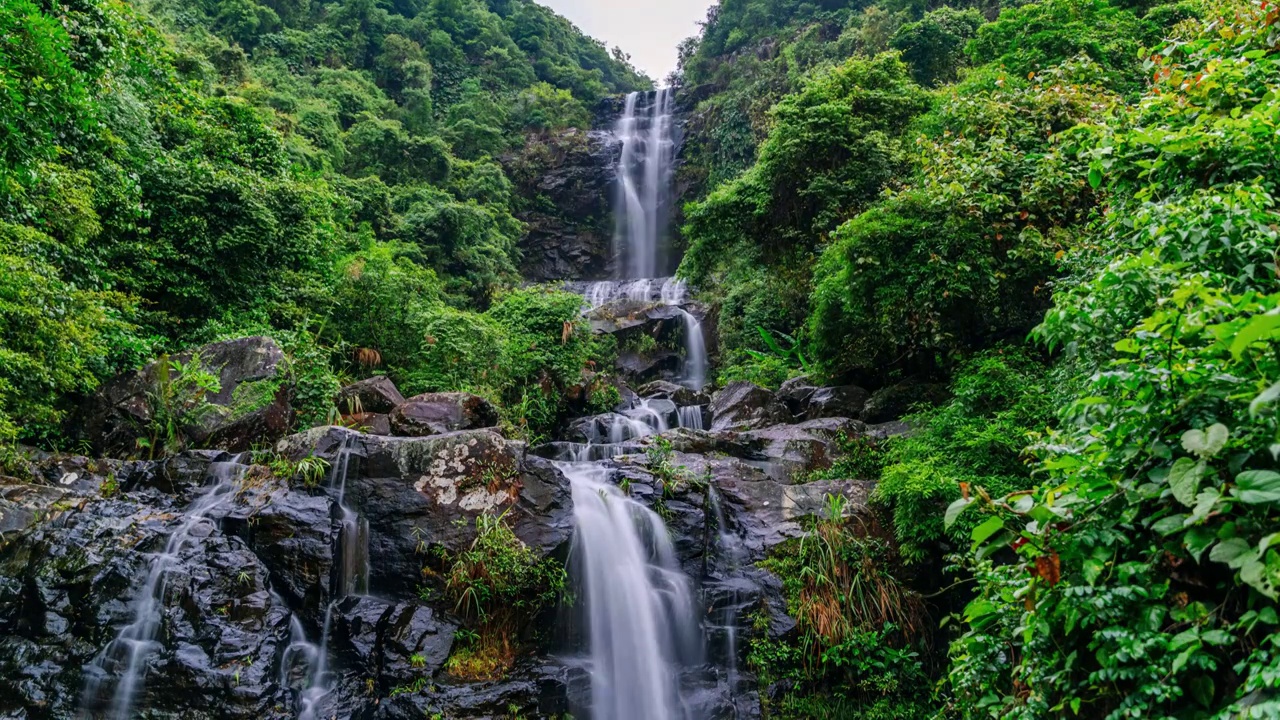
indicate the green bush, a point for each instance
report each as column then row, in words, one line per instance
column 1000, row 404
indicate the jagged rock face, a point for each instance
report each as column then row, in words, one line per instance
column 567, row 183
column 418, row 493
column 744, row 406
column 120, row 412
column 678, row 394
column 68, row 585
column 436, row 413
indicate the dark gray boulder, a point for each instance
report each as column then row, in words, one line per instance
column 846, row 401
column 371, row 395
column 745, row 406
column 678, row 394
column 423, row 492
column 436, row 413
column 795, row 394
column 253, row 404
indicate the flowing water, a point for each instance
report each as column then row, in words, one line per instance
column 690, row 416
column 351, row 578
column 130, row 649
column 731, row 555
column 640, row 616
column 645, row 172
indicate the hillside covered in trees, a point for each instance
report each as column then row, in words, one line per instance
column 1051, row 227
column 178, row 172
column 1025, row 253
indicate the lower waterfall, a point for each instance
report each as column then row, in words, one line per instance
column 639, row 610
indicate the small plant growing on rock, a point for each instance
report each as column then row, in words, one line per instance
column 497, row 584
column 179, row 400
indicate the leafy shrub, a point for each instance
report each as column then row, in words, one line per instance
column 498, row 585
column 1145, row 555
column 858, row 623
column 999, row 405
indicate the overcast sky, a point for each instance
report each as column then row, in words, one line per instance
column 647, row 29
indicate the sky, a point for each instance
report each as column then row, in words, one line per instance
column 649, row 30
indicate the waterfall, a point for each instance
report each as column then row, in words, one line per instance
column 137, row 640
column 695, row 353
column 690, row 416
column 640, row 616
column 733, row 555
column 351, row 578
column 645, row 173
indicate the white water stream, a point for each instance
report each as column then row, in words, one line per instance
column 136, row 641
column 640, row 614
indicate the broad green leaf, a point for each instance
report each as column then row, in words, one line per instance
column 1206, row 443
column 1095, row 178
column 1206, row 501
column 1258, row 486
column 1184, row 478
column 1258, row 328
column 992, row 525
column 1234, row 552
column 955, row 509
column 1198, row 539
column 1169, row 525
column 1202, row 690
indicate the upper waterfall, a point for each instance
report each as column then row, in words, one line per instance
column 642, row 205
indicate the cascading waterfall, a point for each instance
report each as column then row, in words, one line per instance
column 639, row 611
column 351, row 578
column 645, row 172
column 732, row 555
column 137, row 640
column 690, row 416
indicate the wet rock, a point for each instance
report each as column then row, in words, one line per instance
column 417, row 493
column 795, row 394
column 846, row 401
column 678, row 394
column 744, row 406
column 22, row 504
column 437, row 413
column 293, row 534
column 249, row 370
column 639, row 367
column 568, row 180
column 67, row 587
column 796, row 449
column 397, row 643
column 532, row 689
column 371, row 395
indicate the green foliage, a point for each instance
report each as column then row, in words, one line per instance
column 856, row 654
column 55, row 338
column 959, row 258
column 499, row 585
column 832, row 146
column 999, row 405
column 1036, row 36
column 1145, row 556
column 934, row 45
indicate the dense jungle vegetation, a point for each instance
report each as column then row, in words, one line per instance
column 1050, row 225
column 1060, row 215
column 176, row 172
